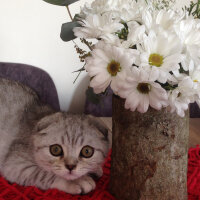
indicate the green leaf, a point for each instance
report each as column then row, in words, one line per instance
column 61, row 2
column 67, row 33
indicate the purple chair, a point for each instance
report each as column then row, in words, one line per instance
column 33, row 77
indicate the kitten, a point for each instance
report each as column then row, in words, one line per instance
column 41, row 148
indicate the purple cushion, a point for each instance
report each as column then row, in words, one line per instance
column 101, row 105
column 33, row 77
column 194, row 110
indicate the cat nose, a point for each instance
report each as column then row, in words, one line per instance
column 70, row 167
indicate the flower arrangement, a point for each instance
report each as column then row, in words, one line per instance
column 146, row 51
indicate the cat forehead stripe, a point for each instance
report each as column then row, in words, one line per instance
column 63, row 140
column 67, row 134
column 77, row 138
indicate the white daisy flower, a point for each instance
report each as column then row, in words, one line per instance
column 135, row 36
column 97, row 7
column 109, row 65
column 181, row 97
column 160, row 19
column 194, row 75
column 163, row 52
column 96, row 26
column 178, row 103
column 131, row 10
column 194, row 72
column 189, row 33
column 141, row 91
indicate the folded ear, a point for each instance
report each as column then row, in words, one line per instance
column 48, row 120
column 98, row 125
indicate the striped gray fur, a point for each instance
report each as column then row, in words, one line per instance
column 28, row 129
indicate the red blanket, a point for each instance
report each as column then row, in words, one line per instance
column 16, row 192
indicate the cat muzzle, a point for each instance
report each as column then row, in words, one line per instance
column 70, row 167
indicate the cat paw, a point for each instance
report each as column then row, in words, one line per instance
column 86, row 183
column 82, row 185
column 67, row 186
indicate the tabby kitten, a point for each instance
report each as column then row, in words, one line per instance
column 41, row 148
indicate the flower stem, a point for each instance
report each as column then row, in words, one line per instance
column 197, row 10
column 77, row 77
column 70, row 15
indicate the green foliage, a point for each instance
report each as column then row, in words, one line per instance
column 67, row 33
column 163, row 4
column 160, row 4
column 61, row 2
column 194, row 9
column 123, row 34
column 168, row 87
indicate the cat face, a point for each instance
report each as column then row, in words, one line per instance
column 69, row 145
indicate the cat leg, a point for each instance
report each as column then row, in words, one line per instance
column 24, row 172
column 82, row 185
column 86, row 183
column 66, row 186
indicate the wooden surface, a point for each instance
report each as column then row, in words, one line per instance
column 194, row 130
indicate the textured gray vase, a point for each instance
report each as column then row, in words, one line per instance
column 149, row 154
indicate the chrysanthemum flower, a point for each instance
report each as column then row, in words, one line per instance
column 144, row 53
column 97, row 7
column 180, row 98
column 109, row 65
column 130, row 10
column 134, row 36
column 96, row 26
column 194, row 72
column 189, row 33
column 178, row 102
column 163, row 52
column 141, row 91
column 160, row 19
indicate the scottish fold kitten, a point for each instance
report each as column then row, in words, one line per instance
column 41, row 148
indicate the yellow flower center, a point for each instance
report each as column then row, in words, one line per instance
column 113, row 68
column 196, row 81
column 144, row 88
column 155, row 60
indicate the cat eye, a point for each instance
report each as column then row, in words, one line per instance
column 87, row 152
column 56, row 150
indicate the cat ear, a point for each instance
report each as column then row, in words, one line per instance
column 98, row 125
column 48, row 120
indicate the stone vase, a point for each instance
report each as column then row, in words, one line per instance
column 149, row 154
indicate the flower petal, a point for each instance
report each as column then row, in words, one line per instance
column 144, row 104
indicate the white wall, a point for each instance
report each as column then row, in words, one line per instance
column 29, row 33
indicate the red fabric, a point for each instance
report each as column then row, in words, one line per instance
column 16, row 192
column 194, row 174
